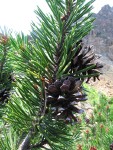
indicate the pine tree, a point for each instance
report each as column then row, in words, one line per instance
column 6, row 73
column 51, row 67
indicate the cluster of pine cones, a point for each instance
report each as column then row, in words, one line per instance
column 63, row 95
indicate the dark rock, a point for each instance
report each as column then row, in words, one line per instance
column 102, row 38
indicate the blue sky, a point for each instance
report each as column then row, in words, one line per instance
column 18, row 14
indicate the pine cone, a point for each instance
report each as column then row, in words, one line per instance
column 63, row 95
column 5, row 84
column 4, row 94
column 85, row 58
column 111, row 146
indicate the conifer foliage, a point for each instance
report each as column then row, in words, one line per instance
column 51, row 67
column 6, row 76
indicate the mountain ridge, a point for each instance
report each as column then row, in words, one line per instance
column 101, row 37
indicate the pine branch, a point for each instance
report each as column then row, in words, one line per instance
column 57, row 56
column 3, row 60
column 60, row 44
column 48, row 57
column 26, row 142
column 39, row 145
column 4, row 44
column 25, row 145
column 45, row 98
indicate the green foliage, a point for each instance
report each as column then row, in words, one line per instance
column 6, row 74
column 97, row 130
column 57, row 37
column 9, row 139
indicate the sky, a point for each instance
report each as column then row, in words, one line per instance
column 18, row 14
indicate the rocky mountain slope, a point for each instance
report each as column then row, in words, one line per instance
column 101, row 37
